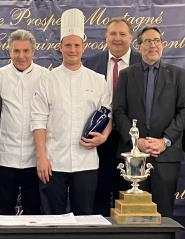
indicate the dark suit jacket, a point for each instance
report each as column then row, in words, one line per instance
column 99, row 61
column 168, row 111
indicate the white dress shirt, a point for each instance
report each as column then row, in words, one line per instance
column 61, row 105
column 16, row 141
column 124, row 63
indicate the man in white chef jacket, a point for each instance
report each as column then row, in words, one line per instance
column 17, row 150
column 61, row 106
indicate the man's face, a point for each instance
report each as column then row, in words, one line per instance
column 151, row 48
column 118, row 38
column 72, row 48
column 21, row 53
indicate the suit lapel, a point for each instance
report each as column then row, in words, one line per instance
column 103, row 64
column 139, row 76
column 162, row 77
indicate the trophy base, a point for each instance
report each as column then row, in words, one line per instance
column 135, row 209
column 135, row 219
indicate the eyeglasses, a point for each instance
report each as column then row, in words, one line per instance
column 156, row 41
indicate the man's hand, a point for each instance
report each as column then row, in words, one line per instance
column 157, row 146
column 151, row 146
column 44, row 169
column 97, row 139
column 143, row 145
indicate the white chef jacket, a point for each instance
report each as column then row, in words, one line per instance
column 16, row 140
column 62, row 104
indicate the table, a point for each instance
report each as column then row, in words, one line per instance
column 168, row 229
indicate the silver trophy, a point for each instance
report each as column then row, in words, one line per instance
column 135, row 169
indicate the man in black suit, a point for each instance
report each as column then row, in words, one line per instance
column 118, row 38
column 160, row 125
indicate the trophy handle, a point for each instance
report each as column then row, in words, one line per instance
column 134, row 179
column 147, row 171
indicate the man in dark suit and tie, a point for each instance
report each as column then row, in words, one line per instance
column 153, row 93
column 118, row 55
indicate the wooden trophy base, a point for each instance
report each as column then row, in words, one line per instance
column 135, row 209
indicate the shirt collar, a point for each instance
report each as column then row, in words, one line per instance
column 146, row 66
column 67, row 70
column 28, row 70
column 125, row 58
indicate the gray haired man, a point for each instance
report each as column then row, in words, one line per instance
column 17, row 153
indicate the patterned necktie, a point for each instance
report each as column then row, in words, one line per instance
column 149, row 94
column 115, row 72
